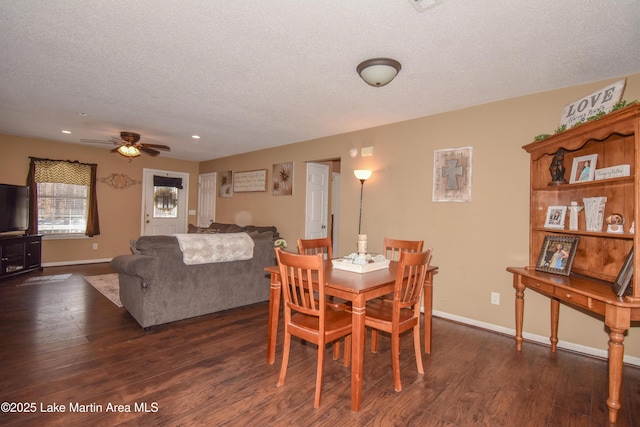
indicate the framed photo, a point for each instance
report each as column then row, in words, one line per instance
column 621, row 285
column 583, row 169
column 557, row 254
column 555, row 217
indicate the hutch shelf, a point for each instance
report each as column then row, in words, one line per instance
column 600, row 255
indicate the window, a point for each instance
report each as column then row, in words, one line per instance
column 62, row 208
column 63, row 201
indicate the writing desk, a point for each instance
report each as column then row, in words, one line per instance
column 357, row 288
column 583, row 293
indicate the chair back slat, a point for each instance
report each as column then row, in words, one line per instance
column 393, row 247
column 298, row 274
column 410, row 278
column 316, row 246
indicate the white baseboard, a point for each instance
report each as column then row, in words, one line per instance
column 603, row 354
column 80, row 262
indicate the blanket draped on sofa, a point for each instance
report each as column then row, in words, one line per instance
column 220, row 247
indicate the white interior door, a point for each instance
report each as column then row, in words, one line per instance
column 164, row 209
column 206, row 199
column 317, row 205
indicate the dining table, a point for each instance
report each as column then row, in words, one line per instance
column 358, row 288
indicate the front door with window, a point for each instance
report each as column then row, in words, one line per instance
column 164, row 207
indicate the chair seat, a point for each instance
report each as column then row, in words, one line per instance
column 335, row 321
column 382, row 310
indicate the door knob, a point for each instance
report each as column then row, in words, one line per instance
column 147, row 221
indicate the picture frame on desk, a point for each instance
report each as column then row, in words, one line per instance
column 621, row 285
column 583, row 168
column 557, row 254
column 555, row 217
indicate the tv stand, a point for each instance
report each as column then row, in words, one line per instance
column 20, row 254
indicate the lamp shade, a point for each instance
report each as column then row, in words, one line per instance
column 362, row 174
column 378, row 71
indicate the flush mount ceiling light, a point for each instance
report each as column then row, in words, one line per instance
column 128, row 151
column 378, row 71
column 422, row 5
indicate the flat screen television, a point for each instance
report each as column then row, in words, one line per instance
column 14, row 208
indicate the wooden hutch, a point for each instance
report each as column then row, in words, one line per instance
column 615, row 138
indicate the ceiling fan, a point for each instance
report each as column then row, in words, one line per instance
column 130, row 145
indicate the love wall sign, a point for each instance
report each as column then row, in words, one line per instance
column 601, row 100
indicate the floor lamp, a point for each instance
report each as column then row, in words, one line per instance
column 362, row 175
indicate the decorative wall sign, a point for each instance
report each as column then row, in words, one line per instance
column 225, row 189
column 119, row 181
column 452, row 175
column 283, row 179
column 601, row 100
column 250, row 181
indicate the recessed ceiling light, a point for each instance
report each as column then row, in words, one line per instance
column 66, row 131
column 195, row 136
column 83, row 114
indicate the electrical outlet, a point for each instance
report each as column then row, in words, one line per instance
column 95, row 246
column 495, row 298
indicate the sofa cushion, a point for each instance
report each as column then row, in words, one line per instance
column 226, row 228
column 201, row 230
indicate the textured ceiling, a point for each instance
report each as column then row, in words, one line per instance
column 246, row 75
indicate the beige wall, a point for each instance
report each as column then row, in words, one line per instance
column 119, row 209
column 473, row 242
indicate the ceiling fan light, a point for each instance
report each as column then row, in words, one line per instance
column 128, row 151
column 378, row 71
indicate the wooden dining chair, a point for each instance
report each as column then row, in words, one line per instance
column 323, row 246
column 404, row 313
column 393, row 247
column 314, row 246
column 391, row 251
column 310, row 319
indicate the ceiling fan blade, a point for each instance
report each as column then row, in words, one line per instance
column 95, row 141
column 157, row 146
column 148, row 151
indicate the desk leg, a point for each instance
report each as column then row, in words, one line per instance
column 555, row 315
column 428, row 308
column 358, row 331
column 519, row 287
column 274, row 311
column 618, row 320
column 616, row 356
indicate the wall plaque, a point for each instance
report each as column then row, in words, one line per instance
column 250, row 181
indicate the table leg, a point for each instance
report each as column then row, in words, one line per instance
column 519, row 287
column 428, row 308
column 555, row 315
column 358, row 331
column 274, row 311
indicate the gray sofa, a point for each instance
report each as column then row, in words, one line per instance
column 157, row 287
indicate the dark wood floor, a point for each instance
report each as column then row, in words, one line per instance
column 64, row 343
